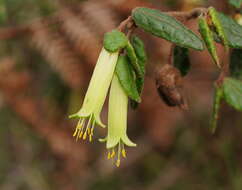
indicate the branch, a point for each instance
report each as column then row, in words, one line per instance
column 185, row 16
column 122, row 26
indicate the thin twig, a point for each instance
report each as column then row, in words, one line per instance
column 185, row 16
column 122, row 26
column 171, row 55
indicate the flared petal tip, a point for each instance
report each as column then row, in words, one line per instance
column 102, row 140
column 73, row 116
column 128, row 142
column 98, row 121
column 102, row 125
column 112, row 142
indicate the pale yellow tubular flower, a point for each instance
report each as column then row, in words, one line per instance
column 89, row 114
column 117, row 122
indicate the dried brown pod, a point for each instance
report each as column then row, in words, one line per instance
column 169, row 85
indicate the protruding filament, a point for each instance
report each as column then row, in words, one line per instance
column 85, row 131
column 84, row 136
column 113, row 153
column 124, row 153
column 123, row 150
column 120, row 151
column 78, row 127
column 118, row 163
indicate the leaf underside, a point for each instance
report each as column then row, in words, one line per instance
column 207, row 36
column 218, row 96
column 140, row 52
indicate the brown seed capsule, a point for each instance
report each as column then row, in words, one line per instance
column 169, row 84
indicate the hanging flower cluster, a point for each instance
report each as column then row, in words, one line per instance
column 125, row 74
column 121, row 65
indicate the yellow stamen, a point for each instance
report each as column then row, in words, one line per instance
column 123, row 153
column 92, row 130
column 92, row 127
column 78, row 127
column 113, row 154
column 74, row 134
column 80, row 135
column 118, row 163
column 89, row 131
column 109, row 155
column 85, row 135
column 90, row 138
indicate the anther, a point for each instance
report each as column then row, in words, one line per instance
column 74, row 134
column 113, row 154
column 123, row 153
column 118, row 163
column 109, row 155
column 89, row 131
column 78, row 127
column 80, row 135
column 84, row 136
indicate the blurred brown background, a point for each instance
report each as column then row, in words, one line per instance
column 48, row 50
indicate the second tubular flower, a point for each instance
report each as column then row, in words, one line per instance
column 117, row 122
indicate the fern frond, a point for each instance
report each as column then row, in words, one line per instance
column 58, row 53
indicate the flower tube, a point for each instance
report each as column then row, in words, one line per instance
column 117, row 122
column 89, row 114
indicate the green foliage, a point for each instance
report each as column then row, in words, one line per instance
column 218, row 96
column 217, row 24
column 233, row 92
column 127, row 78
column 233, row 31
column 207, row 36
column 165, row 26
column 236, row 64
column 139, row 49
column 236, row 3
column 181, row 59
column 133, row 59
column 114, row 41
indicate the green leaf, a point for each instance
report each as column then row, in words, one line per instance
column 133, row 59
column 114, row 41
column 218, row 96
column 139, row 49
column 127, row 78
column 140, row 52
column 139, row 84
column 207, row 36
column 236, row 63
column 181, row 59
column 217, row 25
column 233, row 92
column 167, row 27
column 236, row 3
column 232, row 30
